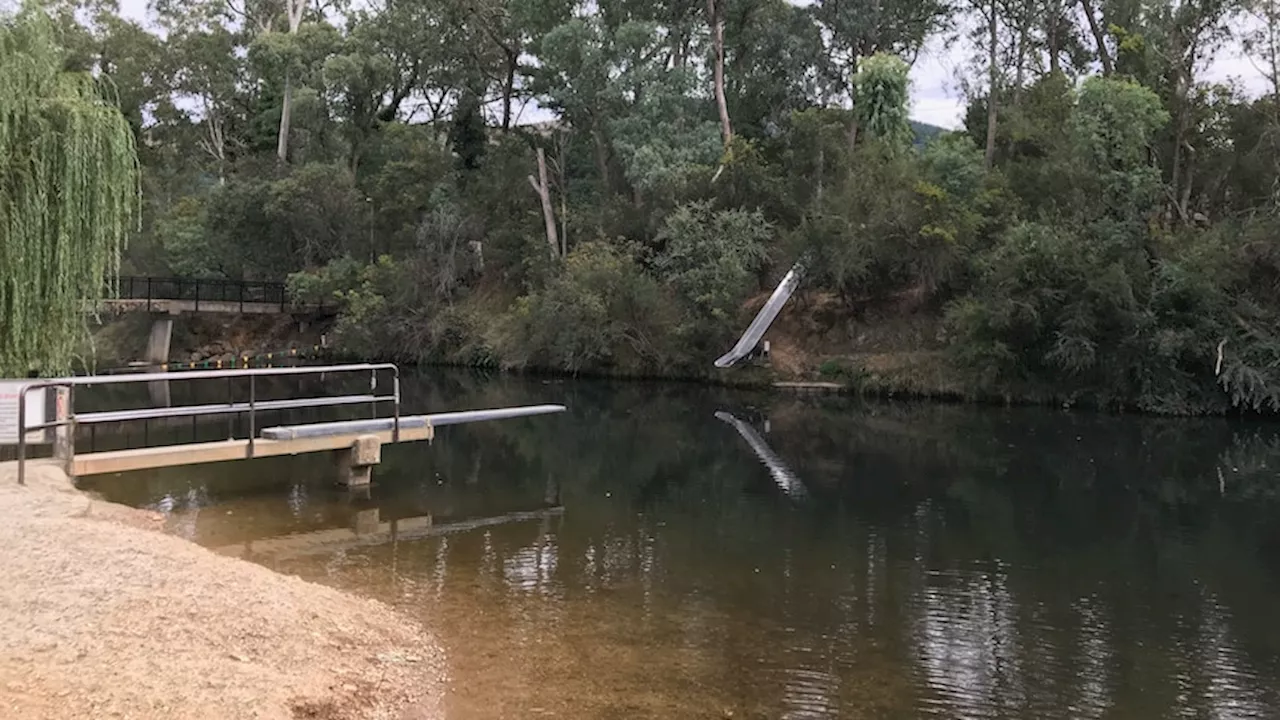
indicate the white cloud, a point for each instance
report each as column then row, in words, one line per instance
column 135, row 10
column 935, row 98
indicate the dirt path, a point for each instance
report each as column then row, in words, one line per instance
column 104, row 617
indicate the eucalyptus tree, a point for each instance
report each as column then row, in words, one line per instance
column 773, row 51
column 500, row 34
column 857, row 29
column 617, row 85
column 207, row 69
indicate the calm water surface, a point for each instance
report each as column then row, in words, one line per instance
column 667, row 551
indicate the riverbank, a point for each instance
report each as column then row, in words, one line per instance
column 106, row 616
column 891, row 349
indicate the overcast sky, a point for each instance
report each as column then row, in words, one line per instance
column 935, row 92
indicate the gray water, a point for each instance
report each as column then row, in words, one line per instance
column 670, row 551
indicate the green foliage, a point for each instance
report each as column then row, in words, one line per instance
column 68, row 196
column 894, row 224
column 467, row 136
column 1065, row 308
column 333, row 283
column 600, row 311
column 954, row 163
column 764, row 86
column 1113, row 125
column 316, row 213
column 182, row 231
column 854, row 30
column 1119, row 247
column 843, row 370
column 880, row 100
column 710, row 257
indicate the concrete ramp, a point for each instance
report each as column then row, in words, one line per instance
column 756, row 330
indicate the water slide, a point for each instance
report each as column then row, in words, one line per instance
column 751, row 338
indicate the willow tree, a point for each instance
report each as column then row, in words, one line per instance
column 882, row 95
column 68, row 193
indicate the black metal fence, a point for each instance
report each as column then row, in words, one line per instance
column 198, row 290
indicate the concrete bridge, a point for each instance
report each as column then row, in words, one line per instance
column 167, row 297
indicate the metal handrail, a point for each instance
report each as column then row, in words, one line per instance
column 70, row 383
column 142, row 287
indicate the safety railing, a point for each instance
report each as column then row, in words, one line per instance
column 208, row 291
column 66, row 417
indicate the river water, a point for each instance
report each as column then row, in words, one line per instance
column 672, row 551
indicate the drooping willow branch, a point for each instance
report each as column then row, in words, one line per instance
column 69, row 189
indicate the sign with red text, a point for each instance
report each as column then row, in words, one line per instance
column 37, row 412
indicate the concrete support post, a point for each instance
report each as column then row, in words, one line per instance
column 158, row 343
column 355, row 464
column 159, row 392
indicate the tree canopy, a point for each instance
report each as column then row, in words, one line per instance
column 611, row 185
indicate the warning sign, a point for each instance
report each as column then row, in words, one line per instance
column 37, row 412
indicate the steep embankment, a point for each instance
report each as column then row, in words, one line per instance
column 891, row 347
column 199, row 337
column 106, row 617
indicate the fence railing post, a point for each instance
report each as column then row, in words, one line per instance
column 22, row 436
column 253, row 412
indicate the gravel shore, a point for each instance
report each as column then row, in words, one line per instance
column 106, row 617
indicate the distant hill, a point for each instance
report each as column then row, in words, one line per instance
column 925, row 132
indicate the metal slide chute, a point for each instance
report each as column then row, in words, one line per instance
column 756, row 330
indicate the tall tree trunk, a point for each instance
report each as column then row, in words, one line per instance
column 1272, row 20
column 286, row 111
column 1184, row 200
column 602, row 158
column 1099, row 38
column 852, row 132
column 294, row 10
column 562, row 182
column 1053, row 37
column 822, row 170
column 993, row 79
column 1181, row 88
column 214, row 142
column 508, row 89
column 1020, row 63
column 543, row 188
column 714, row 8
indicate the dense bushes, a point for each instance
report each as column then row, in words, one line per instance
column 1087, row 298
column 1106, row 239
column 1102, row 304
column 599, row 311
